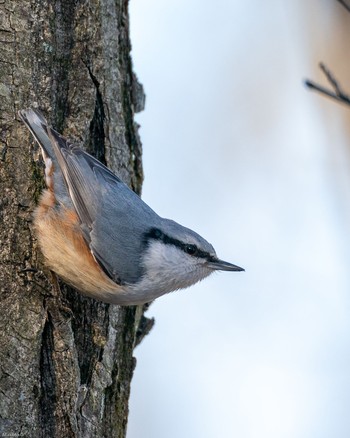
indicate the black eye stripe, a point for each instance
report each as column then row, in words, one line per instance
column 188, row 248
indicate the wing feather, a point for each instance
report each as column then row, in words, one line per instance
column 113, row 217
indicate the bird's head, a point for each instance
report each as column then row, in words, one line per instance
column 176, row 257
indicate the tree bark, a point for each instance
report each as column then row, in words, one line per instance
column 66, row 361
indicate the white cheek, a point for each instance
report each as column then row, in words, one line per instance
column 170, row 268
column 170, row 258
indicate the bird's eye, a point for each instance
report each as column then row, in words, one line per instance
column 191, row 249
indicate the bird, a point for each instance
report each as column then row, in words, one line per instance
column 101, row 238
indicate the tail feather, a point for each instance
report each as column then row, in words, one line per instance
column 37, row 125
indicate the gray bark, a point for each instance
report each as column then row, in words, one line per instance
column 66, row 361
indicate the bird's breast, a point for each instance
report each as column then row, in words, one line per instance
column 66, row 251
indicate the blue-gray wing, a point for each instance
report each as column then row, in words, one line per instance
column 113, row 218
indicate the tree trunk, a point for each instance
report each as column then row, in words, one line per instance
column 65, row 360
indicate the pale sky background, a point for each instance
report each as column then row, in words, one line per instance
column 237, row 149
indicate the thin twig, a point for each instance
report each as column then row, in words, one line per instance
column 322, row 90
column 338, row 94
column 331, row 79
column 347, row 7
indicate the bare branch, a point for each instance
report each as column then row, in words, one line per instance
column 331, row 79
column 338, row 94
column 342, row 2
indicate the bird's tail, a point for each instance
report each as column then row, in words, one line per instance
column 37, row 125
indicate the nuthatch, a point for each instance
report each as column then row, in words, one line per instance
column 100, row 237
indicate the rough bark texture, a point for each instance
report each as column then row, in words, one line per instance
column 65, row 360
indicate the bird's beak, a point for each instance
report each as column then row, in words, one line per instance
column 220, row 265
